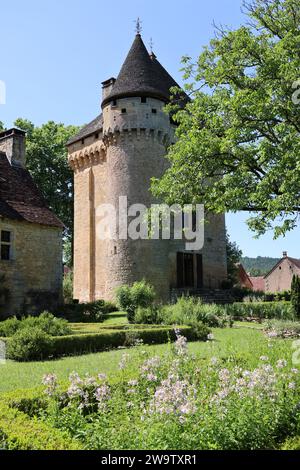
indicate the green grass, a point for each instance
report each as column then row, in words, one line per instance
column 245, row 343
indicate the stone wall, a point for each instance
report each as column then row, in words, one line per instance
column 34, row 275
column 121, row 162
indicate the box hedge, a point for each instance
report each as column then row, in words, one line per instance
column 18, row 431
column 96, row 342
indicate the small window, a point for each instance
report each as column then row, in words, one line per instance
column 6, row 245
column 143, row 99
column 124, row 111
column 154, row 111
column 82, row 141
column 96, row 136
column 114, row 103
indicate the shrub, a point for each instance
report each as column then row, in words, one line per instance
column 46, row 322
column 259, row 310
column 129, row 299
column 19, row 432
column 189, row 310
column 148, row 315
column 90, row 312
column 9, row 327
column 295, row 295
column 29, row 344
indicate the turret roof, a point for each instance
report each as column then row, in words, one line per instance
column 141, row 75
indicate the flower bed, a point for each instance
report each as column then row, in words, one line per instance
column 173, row 401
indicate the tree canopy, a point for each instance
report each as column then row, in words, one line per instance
column 46, row 159
column 238, row 145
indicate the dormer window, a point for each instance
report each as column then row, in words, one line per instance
column 5, row 245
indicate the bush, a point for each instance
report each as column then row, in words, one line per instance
column 29, row 344
column 46, row 322
column 295, row 295
column 19, row 432
column 129, row 299
column 9, row 327
column 189, row 310
column 148, row 315
column 260, row 310
column 90, row 312
column 291, row 444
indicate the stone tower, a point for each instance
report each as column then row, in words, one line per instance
column 115, row 156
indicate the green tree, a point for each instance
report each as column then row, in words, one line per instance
column 238, row 144
column 47, row 162
column 234, row 255
column 1, row 126
column 295, row 295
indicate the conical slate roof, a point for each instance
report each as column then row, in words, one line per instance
column 141, row 75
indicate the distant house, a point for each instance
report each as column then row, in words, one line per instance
column 30, row 236
column 244, row 280
column 280, row 277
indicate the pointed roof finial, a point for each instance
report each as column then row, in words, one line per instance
column 151, row 44
column 138, row 26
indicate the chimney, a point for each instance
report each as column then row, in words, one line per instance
column 12, row 143
column 107, row 87
column 284, row 254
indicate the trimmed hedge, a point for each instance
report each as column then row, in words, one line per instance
column 20, row 432
column 108, row 339
column 292, row 443
column 88, row 343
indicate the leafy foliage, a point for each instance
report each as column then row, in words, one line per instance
column 129, row 298
column 233, row 257
column 295, row 295
column 238, row 139
column 46, row 322
column 46, row 157
column 29, row 344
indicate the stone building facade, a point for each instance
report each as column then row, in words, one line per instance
column 116, row 155
column 30, row 236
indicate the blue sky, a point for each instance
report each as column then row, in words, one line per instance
column 55, row 54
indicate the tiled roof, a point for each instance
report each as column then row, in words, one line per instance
column 258, row 283
column 20, row 199
column 141, row 75
column 95, row 126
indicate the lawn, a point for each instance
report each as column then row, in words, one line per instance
column 242, row 342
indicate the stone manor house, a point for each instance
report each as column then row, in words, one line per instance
column 116, row 155
column 30, row 236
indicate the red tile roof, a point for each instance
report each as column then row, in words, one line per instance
column 20, row 199
column 258, row 283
